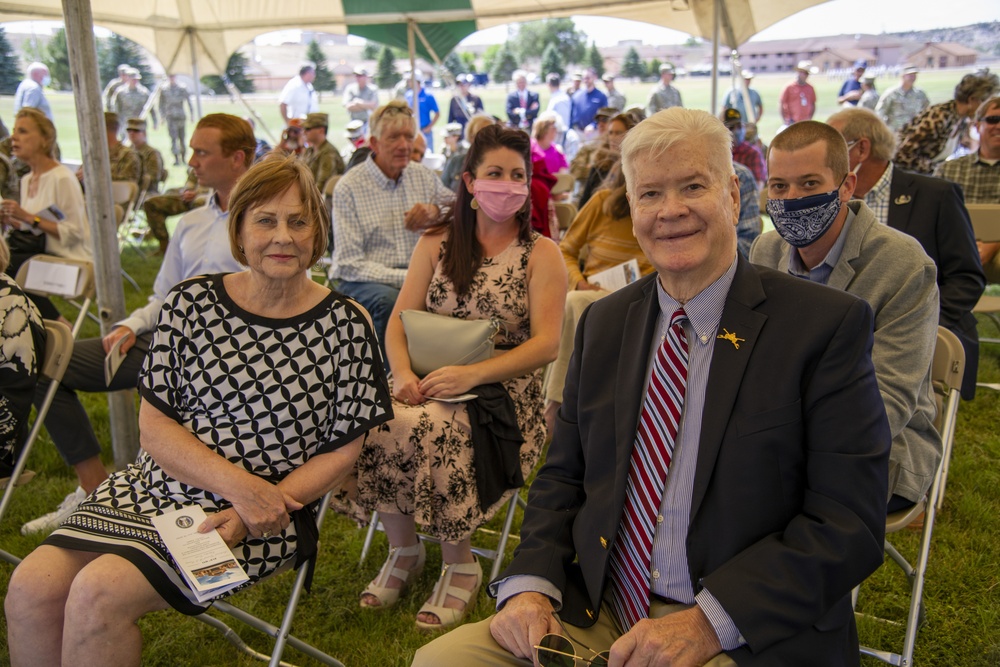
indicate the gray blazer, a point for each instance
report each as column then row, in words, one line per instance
column 891, row 271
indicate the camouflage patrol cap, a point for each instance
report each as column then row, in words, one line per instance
column 136, row 124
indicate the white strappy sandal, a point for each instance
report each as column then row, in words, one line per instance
column 379, row 589
column 443, row 588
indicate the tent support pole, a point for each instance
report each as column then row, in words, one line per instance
column 412, row 48
column 194, row 72
column 100, row 208
column 716, row 20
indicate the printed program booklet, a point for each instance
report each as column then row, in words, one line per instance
column 616, row 277
column 204, row 559
column 114, row 360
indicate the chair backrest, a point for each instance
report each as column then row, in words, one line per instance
column 124, row 192
column 947, row 369
column 564, row 182
column 565, row 213
column 58, row 350
column 331, row 183
column 31, row 274
column 985, row 221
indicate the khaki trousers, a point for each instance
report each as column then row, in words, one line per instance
column 472, row 645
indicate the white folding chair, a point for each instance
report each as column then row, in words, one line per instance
column 564, row 183
column 986, row 225
column 38, row 276
column 947, row 370
column 282, row 634
column 565, row 212
column 496, row 555
column 58, row 351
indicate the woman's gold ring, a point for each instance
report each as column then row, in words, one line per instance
column 266, row 534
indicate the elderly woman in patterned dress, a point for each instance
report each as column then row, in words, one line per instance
column 422, row 466
column 257, row 392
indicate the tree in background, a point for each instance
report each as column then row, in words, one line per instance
column 370, row 51
column 490, row 57
column 10, row 69
column 633, row 66
column 55, row 55
column 654, row 67
column 386, row 75
column 236, row 72
column 506, row 63
column 324, row 80
column 552, row 62
column 533, row 37
column 117, row 50
column 454, row 64
column 468, row 61
column 595, row 60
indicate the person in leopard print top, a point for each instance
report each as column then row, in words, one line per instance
column 933, row 134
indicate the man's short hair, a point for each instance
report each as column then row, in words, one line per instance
column 36, row 66
column 658, row 133
column 519, row 74
column 806, row 133
column 396, row 112
column 863, row 123
column 984, row 108
column 553, row 79
column 305, row 69
column 237, row 135
column 268, row 179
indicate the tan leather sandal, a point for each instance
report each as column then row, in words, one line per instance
column 443, row 588
column 379, row 588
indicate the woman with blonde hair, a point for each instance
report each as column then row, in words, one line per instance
column 51, row 217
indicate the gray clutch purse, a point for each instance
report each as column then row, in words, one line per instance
column 434, row 340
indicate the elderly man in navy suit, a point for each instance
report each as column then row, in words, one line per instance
column 704, row 500
column 522, row 104
column 930, row 209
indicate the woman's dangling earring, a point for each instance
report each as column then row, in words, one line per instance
column 474, row 204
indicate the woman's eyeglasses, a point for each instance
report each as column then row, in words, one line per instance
column 557, row 651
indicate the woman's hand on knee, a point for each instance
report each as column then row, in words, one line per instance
column 228, row 523
column 264, row 508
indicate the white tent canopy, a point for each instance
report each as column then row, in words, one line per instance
column 185, row 33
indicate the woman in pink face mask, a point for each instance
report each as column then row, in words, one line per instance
column 427, row 466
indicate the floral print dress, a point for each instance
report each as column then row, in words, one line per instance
column 421, row 462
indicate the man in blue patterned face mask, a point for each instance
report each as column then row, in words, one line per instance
column 825, row 237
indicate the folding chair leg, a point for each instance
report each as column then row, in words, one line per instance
column 22, row 460
column 507, row 523
column 369, row 537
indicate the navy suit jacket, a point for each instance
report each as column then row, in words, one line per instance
column 788, row 507
column 932, row 210
column 514, row 101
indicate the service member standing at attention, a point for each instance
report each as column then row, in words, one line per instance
column 704, row 501
column 173, row 97
column 664, row 95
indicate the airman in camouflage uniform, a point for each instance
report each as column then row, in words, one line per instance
column 172, row 202
column 151, row 172
column 173, row 97
column 322, row 157
column 130, row 99
column 109, row 90
column 899, row 105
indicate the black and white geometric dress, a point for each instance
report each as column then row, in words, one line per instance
column 266, row 394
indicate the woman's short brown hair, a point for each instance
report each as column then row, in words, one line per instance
column 268, row 179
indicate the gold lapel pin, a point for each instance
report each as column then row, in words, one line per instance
column 604, row 543
column 902, row 199
column 731, row 337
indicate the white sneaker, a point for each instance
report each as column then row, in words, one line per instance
column 49, row 522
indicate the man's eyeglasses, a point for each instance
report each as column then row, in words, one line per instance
column 557, row 651
column 990, row 120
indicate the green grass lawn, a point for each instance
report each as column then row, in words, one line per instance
column 963, row 603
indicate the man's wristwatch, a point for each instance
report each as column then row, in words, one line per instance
column 35, row 222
